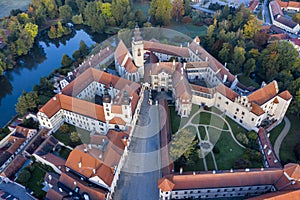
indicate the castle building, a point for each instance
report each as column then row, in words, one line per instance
column 95, row 101
column 202, row 80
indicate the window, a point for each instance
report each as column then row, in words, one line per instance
column 252, row 119
column 234, row 117
column 219, row 98
column 241, row 121
column 243, row 113
column 227, row 102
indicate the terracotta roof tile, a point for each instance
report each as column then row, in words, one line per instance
column 54, row 195
column 165, row 184
column 121, row 52
column 94, row 193
column 275, row 8
column 117, row 120
column 130, row 67
column 227, row 92
column 264, row 94
column 166, row 49
column 14, row 167
column 286, row 95
column 256, row 109
column 293, row 170
column 202, row 89
column 225, row 179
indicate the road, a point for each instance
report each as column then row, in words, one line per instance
column 281, row 136
column 141, row 171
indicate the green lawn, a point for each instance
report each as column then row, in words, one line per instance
column 286, row 149
column 210, row 119
column 202, row 132
column 236, row 128
column 65, row 137
column 188, row 29
column 209, row 162
column 276, row 131
column 176, row 120
column 229, row 151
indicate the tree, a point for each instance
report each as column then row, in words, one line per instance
column 160, row 11
column 77, row 19
column 31, row 29
column 24, row 176
column 224, row 54
column 27, row 102
column 93, row 18
column 64, row 128
column 80, row 5
column 241, row 137
column 76, row 54
column 72, row 4
column 66, row 61
column 74, row 137
column 52, row 32
column 252, row 27
column 120, row 9
column 296, row 18
column 106, row 10
column 140, row 17
column 187, row 7
column 238, row 58
column 65, row 12
column 83, row 48
column 177, row 9
column 249, row 66
column 181, row 144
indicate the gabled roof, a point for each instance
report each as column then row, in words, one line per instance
column 166, row 49
column 275, row 9
column 165, row 184
column 286, row 95
column 202, row 89
column 227, row 92
column 292, row 170
column 288, row 22
column 130, row 67
column 75, row 105
column 256, row 109
column 117, row 120
column 236, row 178
column 121, row 52
column 264, row 94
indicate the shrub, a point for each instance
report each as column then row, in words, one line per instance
column 242, row 138
column 252, row 135
column 24, row 176
column 186, row 19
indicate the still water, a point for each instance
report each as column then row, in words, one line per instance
column 43, row 59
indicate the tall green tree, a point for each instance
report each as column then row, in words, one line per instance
column 93, row 18
column 65, row 12
column 66, row 61
column 252, row 27
column 160, row 11
column 120, row 9
column 177, row 9
column 27, row 102
column 238, row 58
column 80, row 5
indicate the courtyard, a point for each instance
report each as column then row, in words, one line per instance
column 215, row 137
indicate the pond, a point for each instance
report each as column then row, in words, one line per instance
column 40, row 62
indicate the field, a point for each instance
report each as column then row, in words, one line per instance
column 7, row 5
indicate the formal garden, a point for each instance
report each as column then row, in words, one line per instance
column 215, row 142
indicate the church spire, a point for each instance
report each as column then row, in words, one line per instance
column 137, row 34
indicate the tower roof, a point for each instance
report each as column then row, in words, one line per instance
column 137, row 34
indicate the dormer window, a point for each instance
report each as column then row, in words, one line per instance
column 139, row 52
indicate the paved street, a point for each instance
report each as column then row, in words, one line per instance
column 15, row 190
column 282, row 135
column 139, row 176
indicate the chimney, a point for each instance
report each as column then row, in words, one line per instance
column 181, row 70
column 173, row 61
column 181, row 46
column 90, row 63
column 262, row 169
column 107, row 48
column 231, row 170
column 269, row 152
column 124, row 139
column 194, row 173
column 188, row 44
column 54, row 98
column 181, row 78
column 157, row 64
column 196, row 51
column 181, row 170
column 94, row 171
column 60, row 189
column 85, row 150
column 265, row 146
column 214, row 171
column 184, row 65
column 225, row 64
column 206, row 59
column 79, row 164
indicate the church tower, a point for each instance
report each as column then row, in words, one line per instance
column 137, row 46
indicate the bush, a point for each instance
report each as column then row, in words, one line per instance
column 216, row 150
column 242, row 138
column 186, row 19
column 77, row 19
column 24, row 176
column 252, row 135
column 297, row 151
column 242, row 163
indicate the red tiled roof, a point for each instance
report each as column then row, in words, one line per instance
column 166, row 49
column 256, row 109
column 264, row 94
column 253, row 4
column 227, row 92
column 202, row 89
column 94, row 193
column 130, row 67
column 275, row 9
column 121, row 52
column 224, row 179
column 292, row 170
column 165, row 184
column 117, row 120
column 286, row 95
column 14, row 167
